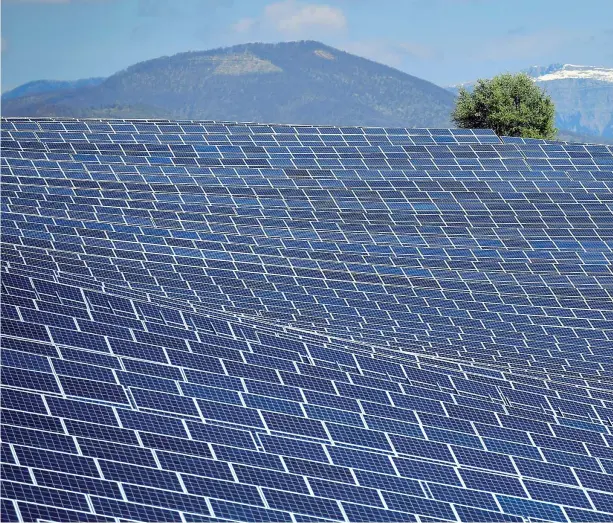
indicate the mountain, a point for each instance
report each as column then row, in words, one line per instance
column 292, row 82
column 38, row 87
column 583, row 96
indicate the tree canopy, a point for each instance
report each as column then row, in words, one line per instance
column 511, row 105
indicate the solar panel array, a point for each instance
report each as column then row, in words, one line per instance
column 211, row 321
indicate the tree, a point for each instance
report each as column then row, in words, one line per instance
column 511, row 105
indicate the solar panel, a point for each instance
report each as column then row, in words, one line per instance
column 220, row 321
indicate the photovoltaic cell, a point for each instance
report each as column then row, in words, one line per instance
column 214, row 321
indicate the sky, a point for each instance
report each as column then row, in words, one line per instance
column 443, row 41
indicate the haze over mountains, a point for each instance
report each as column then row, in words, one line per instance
column 294, row 82
column 299, row 82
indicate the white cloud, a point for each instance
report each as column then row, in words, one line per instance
column 294, row 19
column 291, row 16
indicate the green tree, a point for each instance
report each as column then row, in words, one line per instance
column 511, row 105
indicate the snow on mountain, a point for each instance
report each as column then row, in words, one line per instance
column 571, row 72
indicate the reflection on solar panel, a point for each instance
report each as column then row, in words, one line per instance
column 208, row 321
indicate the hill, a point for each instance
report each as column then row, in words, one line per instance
column 583, row 96
column 39, row 87
column 292, row 82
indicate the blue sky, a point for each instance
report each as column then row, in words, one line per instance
column 444, row 41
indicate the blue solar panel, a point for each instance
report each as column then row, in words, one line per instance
column 212, row 321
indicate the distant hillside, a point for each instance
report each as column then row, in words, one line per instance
column 294, row 82
column 583, row 96
column 49, row 86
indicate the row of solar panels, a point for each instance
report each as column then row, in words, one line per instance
column 249, row 327
column 322, row 166
column 341, row 161
column 265, row 151
column 397, row 233
column 212, row 127
column 299, row 252
column 170, row 319
column 376, row 345
column 270, row 293
column 512, row 186
column 490, row 475
column 190, row 144
column 515, row 223
column 34, row 140
column 148, row 126
column 534, row 216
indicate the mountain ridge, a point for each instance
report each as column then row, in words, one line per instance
column 290, row 82
column 38, row 87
